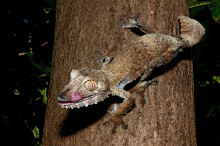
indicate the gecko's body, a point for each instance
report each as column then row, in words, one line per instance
column 139, row 57
column 89, row 86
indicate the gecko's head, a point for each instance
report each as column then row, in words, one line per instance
column 86, row 87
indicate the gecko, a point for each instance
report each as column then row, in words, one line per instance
column 89, row 86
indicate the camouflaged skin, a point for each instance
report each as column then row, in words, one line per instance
column 88, row 86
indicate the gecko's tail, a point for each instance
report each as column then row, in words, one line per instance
column 191, row 30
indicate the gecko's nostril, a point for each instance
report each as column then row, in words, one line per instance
column 61, row 95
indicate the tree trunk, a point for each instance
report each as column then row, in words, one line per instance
column 168, row 116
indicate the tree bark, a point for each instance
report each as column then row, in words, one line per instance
column 168, row 116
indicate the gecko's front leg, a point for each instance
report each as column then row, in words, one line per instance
column 119, row 110
column 132, row 21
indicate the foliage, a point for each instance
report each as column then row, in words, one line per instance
column 213, row 5
column 28, row 48
column 207, row 72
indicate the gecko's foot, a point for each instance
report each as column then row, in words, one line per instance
column 136, row 24
column 103, row 58
column 131, row 21
column 116, row 121
column 99, row 57
column 141, row 86
column 145, row 84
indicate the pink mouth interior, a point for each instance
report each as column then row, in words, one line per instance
column 75, row 97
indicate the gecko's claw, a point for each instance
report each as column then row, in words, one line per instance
column 116, row 121
column 142, row 101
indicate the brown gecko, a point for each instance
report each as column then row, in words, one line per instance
column 89, row 86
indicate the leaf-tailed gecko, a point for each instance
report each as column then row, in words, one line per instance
column 89, row 86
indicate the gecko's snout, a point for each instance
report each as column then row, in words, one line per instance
column 61, row 98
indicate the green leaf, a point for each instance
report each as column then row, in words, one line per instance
column 195, row 3
column 43, row 92
column 5, row 119
column 43, row 75
column 43, row 68
column 30, row 54
column 47, row 21
column 215, row 10
column 210, row 112
column 216, row 79
column 38, row 144
column 36, row 132
column 47, row 10
column 203, row 83
column 25, row 121
column 16, row 92
column 197, row 6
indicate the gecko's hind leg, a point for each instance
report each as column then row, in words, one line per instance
column 152, row 65
column 140, row 88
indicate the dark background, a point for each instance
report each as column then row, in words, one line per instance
column 26, row 57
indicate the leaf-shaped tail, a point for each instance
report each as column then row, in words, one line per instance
column 191, row 30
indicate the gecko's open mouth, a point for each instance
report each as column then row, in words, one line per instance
column 74, row 98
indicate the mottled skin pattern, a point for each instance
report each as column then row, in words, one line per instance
column 88, row 86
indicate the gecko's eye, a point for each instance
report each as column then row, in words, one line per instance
column 90, row 85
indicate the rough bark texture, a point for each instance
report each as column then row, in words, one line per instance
column 168, row 116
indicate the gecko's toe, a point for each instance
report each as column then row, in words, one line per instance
column 142, row 101
column 145, row 84
column 125, row 126
column 154, row 82
column 116, row 121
